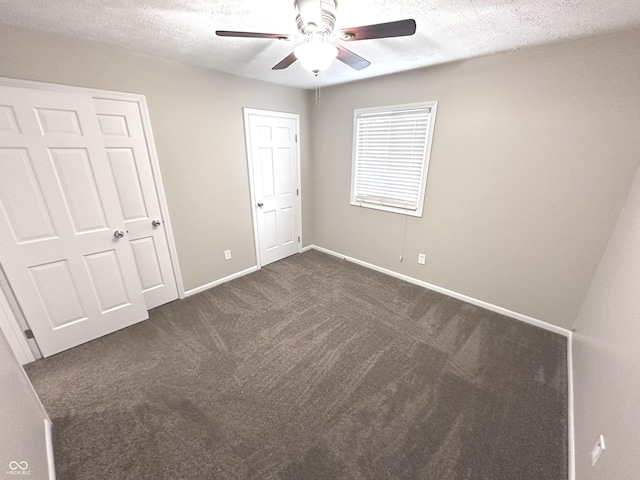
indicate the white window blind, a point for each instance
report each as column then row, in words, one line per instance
column 390, row 157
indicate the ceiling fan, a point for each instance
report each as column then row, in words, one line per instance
column 316, row 20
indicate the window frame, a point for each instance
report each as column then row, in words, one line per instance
column 432, row 106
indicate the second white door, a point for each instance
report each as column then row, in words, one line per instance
column 273, row 159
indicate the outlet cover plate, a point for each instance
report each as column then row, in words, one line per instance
column 227, row 254
column 422, row 258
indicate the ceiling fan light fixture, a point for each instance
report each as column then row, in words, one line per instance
column 316, row 20
column 315, row 55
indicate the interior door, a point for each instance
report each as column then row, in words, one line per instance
column 273, row 155
column 64, row 244
column 128, row 155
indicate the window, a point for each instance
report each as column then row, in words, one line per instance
column 391, row 148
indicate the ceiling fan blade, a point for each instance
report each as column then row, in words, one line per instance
column 354, row 61
column 277, row 36
column 285, row 62
column 401, row 28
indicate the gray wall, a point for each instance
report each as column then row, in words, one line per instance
column 197, row 119
column 531, row 162
column 22, row 436
column 606, row 359
column 534, row 153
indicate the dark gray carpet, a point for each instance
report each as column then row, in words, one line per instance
column 312, row 368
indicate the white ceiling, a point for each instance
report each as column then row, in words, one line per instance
column 447, row 30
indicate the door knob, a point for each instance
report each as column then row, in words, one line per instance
column 118, row 234
column 260, row 204
column 156, row 223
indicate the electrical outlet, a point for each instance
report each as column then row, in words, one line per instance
column 227, row 254
column 597, row 451
column 422, row 258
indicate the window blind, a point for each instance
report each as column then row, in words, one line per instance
column 389, row 157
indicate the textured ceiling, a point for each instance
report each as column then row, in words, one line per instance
column 447, row 30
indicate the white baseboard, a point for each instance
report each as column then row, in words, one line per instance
column 49, row 445
column 571, row 429
column 207, row 286
column 451, row 293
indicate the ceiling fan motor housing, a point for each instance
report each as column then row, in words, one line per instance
column 327, row 18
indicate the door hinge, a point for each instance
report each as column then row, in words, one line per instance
column 296, row 135
column 298, row 239
column 298, row 191
column 29, row 334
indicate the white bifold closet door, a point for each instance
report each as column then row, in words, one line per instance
column 128, row 156
column 65, row 246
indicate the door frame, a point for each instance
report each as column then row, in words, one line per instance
column 141, row 101
column 254, row 218
column 10, row 326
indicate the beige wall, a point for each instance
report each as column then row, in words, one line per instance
column 606, row 359
column 197, row 119
column 533, row 155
